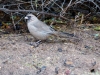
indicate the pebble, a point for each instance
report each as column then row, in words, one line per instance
column 57, row 70
column 43, row 68
column 87, row 47
column 67, row 72
column 26, row 74
column 59, row 49
column 68, row 63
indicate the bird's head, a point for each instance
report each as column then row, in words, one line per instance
column 31, row 17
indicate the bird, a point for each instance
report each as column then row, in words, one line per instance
column 40, row 30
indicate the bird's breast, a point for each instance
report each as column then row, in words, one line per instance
column 38, row 34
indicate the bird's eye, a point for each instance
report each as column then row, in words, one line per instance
column 29, row 17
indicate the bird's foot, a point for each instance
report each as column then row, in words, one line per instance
column 36, row 44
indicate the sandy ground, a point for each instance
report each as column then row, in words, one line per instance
column 18, row 57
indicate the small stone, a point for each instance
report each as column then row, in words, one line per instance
column 92, row 70
column 57, row 70
column 5, row 62
column 68, row 63
column 59, row 49
column 97, row 38
column 31, row 43
column 94, row 63
column 43, row 68
column 87, row 47
column 26, row 74
column 38, row 71
column 67, row 72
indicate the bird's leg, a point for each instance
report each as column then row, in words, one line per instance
column 36, row 44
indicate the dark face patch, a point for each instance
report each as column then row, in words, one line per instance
column 29, row 17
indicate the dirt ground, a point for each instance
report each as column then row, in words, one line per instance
column 19, row 57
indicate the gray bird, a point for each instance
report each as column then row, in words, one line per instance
column 42, row 31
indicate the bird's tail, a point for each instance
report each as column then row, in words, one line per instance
column 71, row 37
column 66, row 35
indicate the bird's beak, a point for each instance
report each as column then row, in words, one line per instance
column 26, row 18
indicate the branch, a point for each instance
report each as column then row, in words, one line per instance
column 32, row 11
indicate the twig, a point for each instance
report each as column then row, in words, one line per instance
column 32, row 11
column 68, row 5
column 82, row 19
column 32, row 4
column 13, row 21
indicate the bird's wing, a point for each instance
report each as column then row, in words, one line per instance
column 44, row 27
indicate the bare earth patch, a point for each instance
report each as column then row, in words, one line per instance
column 18, row 57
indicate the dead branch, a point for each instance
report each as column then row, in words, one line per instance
column 31, row 11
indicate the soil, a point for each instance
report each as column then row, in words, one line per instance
column 19, row 57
